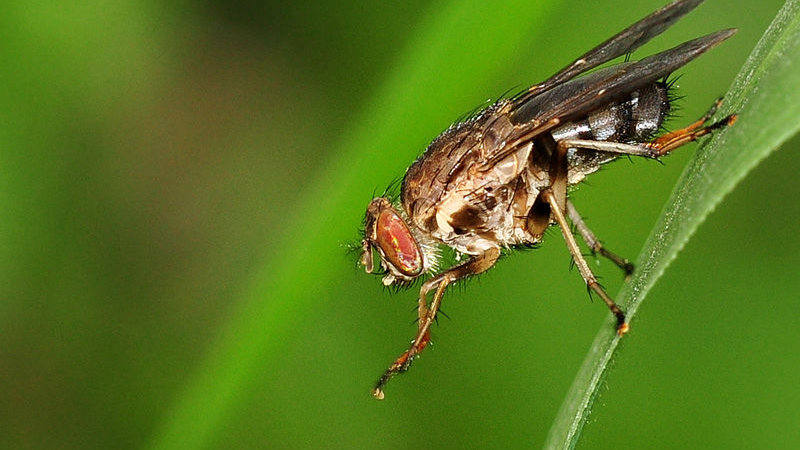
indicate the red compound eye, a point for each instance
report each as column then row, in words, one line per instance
column 398, row 245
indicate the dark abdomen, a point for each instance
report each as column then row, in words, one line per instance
column 635, row 119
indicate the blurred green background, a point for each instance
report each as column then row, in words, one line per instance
column 180, row 181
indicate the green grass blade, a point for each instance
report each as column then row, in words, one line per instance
column 309, row 254
column 765, row 94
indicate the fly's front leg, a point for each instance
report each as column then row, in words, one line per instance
column 594, row 244
column 580, row 262
column 427, row 314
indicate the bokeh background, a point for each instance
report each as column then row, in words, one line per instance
column 173, row 275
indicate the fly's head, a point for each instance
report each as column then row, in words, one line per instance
column 400, row 253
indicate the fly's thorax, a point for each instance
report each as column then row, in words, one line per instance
column 453, row 158
column 404, row 254
column 488, row 210
column 460, row 193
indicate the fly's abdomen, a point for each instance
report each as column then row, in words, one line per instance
column 635, row 119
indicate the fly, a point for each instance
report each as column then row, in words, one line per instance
column 500, row 178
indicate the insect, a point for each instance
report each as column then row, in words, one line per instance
column 497, row 180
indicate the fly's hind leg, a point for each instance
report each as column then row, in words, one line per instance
column 427, row 314
column 594, row 244
column 670, row 141
column 661, row 145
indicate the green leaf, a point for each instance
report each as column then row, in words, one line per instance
column 765, row 95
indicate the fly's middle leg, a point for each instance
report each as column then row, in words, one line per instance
column 594, row 244
column 552, row 204
column 540, row 216
column 580, row 261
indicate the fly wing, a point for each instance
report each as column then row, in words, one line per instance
column 576, row 98
column 626, row 41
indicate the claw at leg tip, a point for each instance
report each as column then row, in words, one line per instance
column 378, row 393
column 622, row 329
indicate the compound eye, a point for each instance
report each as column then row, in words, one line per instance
column 397, row 244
